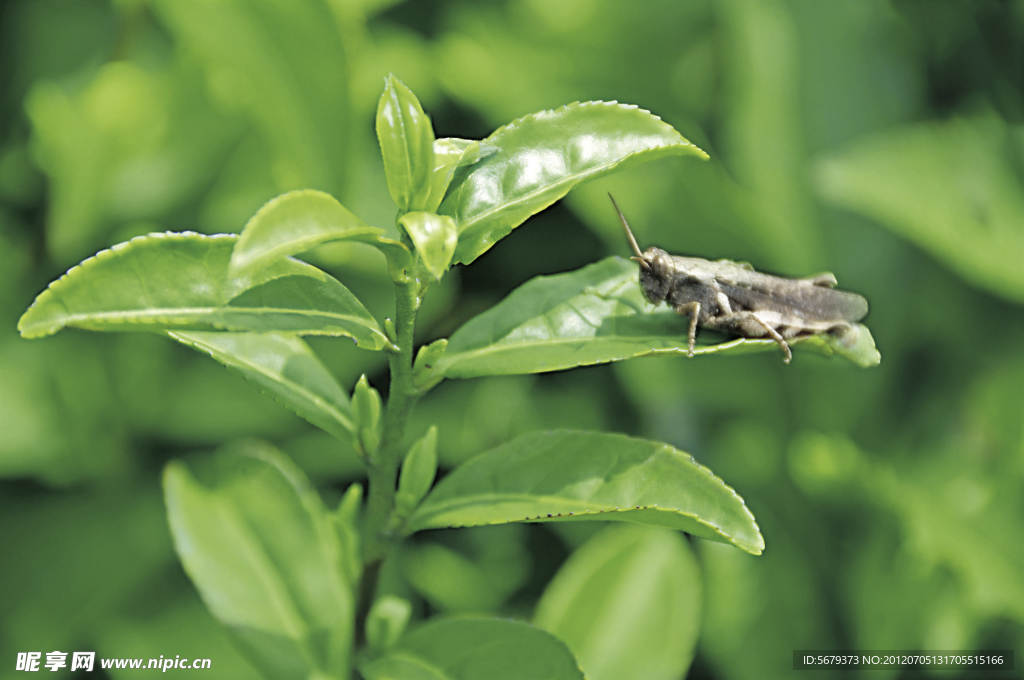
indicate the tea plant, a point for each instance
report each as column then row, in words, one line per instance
column 296, row 581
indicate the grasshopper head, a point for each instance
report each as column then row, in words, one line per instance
column 657, row 272
column 655, row 265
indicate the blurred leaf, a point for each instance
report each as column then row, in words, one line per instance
column 185, row 627
column 541, row 157
column 891, row 593
column 259, row 546
column 324, row 458
column 386, row 622
column 475, row 649
column 435, row 237
column 595, row 315
column 755, row 607
column 952, row 188
column 178, row 397
column 964, row 521
column 133, row 144
column 824, row 466
column 120, row 546
column 954, row 512
column 469, row 424
column 628, row 604
column 284, row 67
column 64, row 419
column 763, row 127
column 407, row 144
column 503, row 59
column 473, row 570
column 36, row 440
column 450, row 581
column 418, row 471
column 347, row 521
column 301, row 220
column 579, row 476
column 695, row 209
column 286, row 369
column 181, row 282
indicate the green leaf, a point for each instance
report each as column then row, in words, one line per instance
column 418, row 471
column 951, row 188
column 766, row 126
column 407, row 143
column 475, row 649
column 422, row 368
column 595, row 315
column 284, row 68
column 258, row 544
column 366, row 407
column 127, row 142
column 347, row 521
column 628, row 604
column 577, row 476
column 295, row 222
column 181, row 282
column 451, row 153
column 301, row 220
column 285, row 368
column 386, row 622
column 435, row 237
column 542, row 156
column 449, row 580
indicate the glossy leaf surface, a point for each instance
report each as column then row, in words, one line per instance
column 540, row 157
column 301, row 220
column 435, row 237
column 181, row 282
column 451, row 153
column 286, row 369
column 294, row 222
column 628, row 604
column 579, row 476
column 407, row 143
column 257, row 542
column 475, row 649
column 595, row 315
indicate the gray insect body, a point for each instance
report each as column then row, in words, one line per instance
column 732, row 297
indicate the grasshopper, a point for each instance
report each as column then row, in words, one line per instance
column 733, row 297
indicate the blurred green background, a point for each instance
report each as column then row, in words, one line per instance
column 881, row 140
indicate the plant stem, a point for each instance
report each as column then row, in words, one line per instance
column 383, row 468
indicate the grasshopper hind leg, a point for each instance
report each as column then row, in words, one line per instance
column 776, row 337
column 736, row 320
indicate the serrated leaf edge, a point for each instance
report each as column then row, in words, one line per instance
column 88, row 262
column 597, row 169
column 756, row 549
column 319, row 401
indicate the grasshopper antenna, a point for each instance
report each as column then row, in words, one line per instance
column 632, row 241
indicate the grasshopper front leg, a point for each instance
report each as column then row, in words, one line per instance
column 693, row 309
